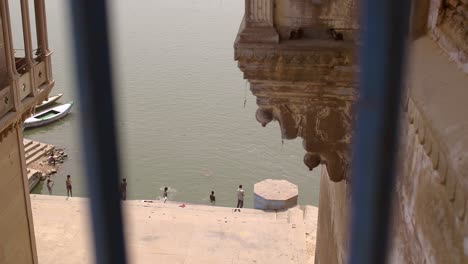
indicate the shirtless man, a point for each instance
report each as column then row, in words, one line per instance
column 68, row 183
column 50, row 184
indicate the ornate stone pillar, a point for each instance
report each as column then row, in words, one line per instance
column 9, row 50
column 27, row 33
column 9, row 53
column 259, row 13
column 28, row 46
column 42, row 39
column 258, row 24
column 41, row 28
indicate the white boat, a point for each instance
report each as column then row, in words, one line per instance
column 48, row 116
column 48, row 102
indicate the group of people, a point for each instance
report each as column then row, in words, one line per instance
column 123, row 192
column 240, row 198
column 240, row 195
column 68, row 184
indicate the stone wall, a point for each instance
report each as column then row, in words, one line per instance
column 431, row 223
column 17, row 243
column 431, row 196
column 333, row 220
column 314, row 17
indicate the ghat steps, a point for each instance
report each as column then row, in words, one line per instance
column 159, row 232
column 34, row 151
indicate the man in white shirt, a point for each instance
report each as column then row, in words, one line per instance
column 240, row 198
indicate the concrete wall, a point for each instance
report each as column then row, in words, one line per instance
column 333, row 220
column 17, row 244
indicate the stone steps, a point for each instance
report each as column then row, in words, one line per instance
column 34, row 176
column 30, row 146
column 35, row 151
column 39, row 148
column 27, row 142
column 215, row 211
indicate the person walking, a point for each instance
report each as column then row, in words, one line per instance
column 68, row 183
column 212, row 198
column 123, row 189
column 50, row 184
column 240, row 199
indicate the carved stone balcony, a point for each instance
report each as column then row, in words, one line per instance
column 303, row 76
column 25, row 80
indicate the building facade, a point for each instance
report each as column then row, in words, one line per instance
column 299, row 57
column 25, row 81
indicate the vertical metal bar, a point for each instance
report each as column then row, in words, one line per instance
column 94, row 79
column 385, row 27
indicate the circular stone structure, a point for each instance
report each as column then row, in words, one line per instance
column 275, row 195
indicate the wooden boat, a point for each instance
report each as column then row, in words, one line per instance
column 51, row 100
column 48, row 116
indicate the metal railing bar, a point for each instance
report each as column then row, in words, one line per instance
column 94, row 80
column 384, row 31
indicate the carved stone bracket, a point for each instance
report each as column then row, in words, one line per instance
column 309, row 89
column 322, row 119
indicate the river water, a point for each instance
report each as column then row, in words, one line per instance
column 180, row 98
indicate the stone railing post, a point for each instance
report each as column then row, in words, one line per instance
column 26, row 33
column 259, row 13
column 258, row 24
column 42, row 40
column 9, row 56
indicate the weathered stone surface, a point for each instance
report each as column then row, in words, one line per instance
column 333, row 221
column 275, row 195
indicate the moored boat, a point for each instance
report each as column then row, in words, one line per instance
column 51, row 100
column 48, row 116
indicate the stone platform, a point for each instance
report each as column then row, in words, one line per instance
column 166, row 233
column 275, row 195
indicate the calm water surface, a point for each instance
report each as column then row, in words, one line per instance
column 180, row 99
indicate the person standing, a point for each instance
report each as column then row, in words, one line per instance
column 50, row 184
column 68, row 183
column 212, row 198
column 240, row 198
column 123, row 189
column 165, row 194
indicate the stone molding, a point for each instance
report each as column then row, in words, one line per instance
column 322, row 62
column 448, row 174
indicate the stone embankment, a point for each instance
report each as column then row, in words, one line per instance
column 158, row 232
column 36, row 156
